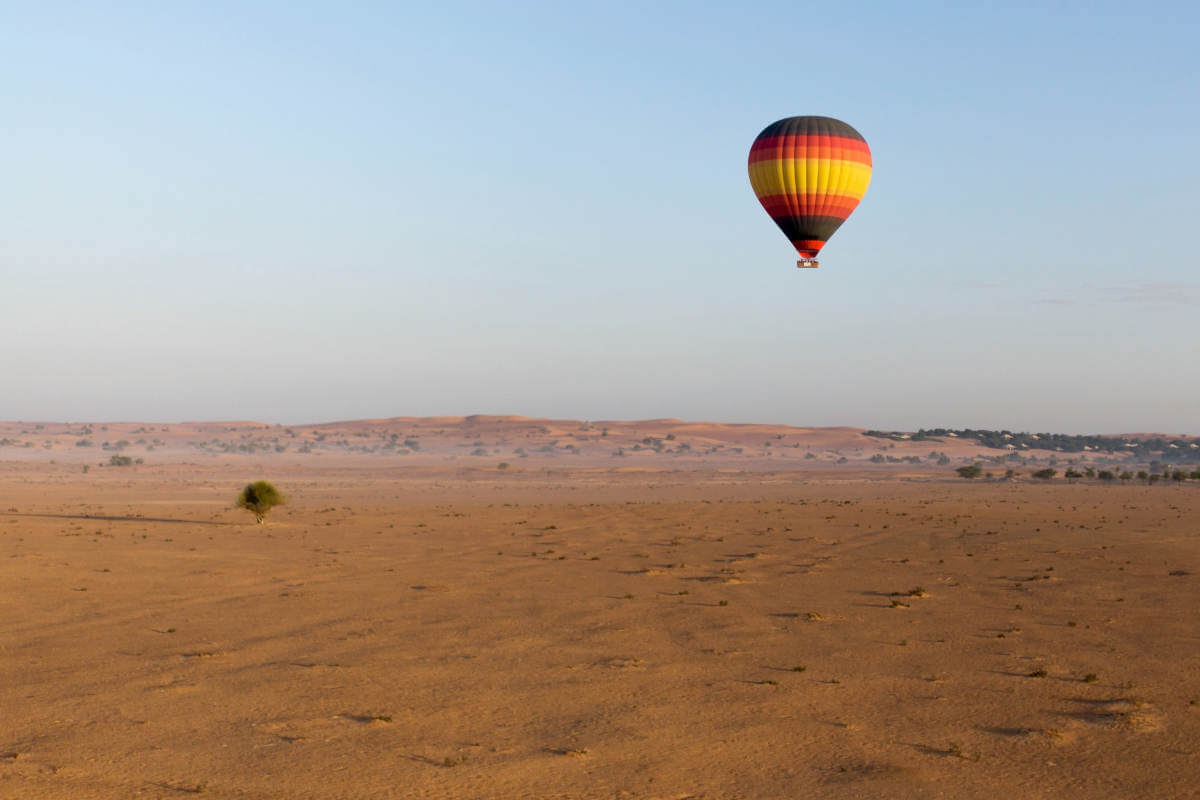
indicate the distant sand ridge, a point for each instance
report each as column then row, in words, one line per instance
column 485, row 441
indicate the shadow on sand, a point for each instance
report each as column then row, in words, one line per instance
column 112, row 518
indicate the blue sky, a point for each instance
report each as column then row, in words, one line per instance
column 300, row 212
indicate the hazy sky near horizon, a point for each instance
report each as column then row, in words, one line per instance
column 305, row 211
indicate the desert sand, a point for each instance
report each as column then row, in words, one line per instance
column 667, row 622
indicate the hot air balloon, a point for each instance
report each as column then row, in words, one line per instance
column 809, row 173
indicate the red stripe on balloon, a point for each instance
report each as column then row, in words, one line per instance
column 808, row 247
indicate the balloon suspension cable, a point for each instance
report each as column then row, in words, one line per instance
column 807, row 263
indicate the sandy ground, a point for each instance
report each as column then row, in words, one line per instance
column 429, row 631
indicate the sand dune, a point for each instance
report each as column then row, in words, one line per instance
column 483, row 441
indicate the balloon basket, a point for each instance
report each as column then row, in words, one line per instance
column 807, row 263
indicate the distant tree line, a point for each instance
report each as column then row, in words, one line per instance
column 1090, row 473
column 1168, row 449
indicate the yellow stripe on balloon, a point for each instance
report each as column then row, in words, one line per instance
column 801, row 175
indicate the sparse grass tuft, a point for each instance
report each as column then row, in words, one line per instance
column 955, row 749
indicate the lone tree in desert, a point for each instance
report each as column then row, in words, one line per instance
column 259, row 498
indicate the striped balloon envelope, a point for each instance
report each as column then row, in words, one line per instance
column 809, row 174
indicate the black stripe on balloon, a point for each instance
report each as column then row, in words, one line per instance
column 811, row 126
column 809, row 227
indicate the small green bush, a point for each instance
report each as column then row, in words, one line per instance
column 258, row 498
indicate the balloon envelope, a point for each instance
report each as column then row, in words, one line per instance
column 809, row 174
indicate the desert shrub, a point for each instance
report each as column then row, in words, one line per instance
column 258, row 498
column 971, row 471
column 1105, row 475
column 120, row 461
column 1045, row 474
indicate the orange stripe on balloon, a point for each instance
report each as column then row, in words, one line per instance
column 832, row 205
column 810, row 146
